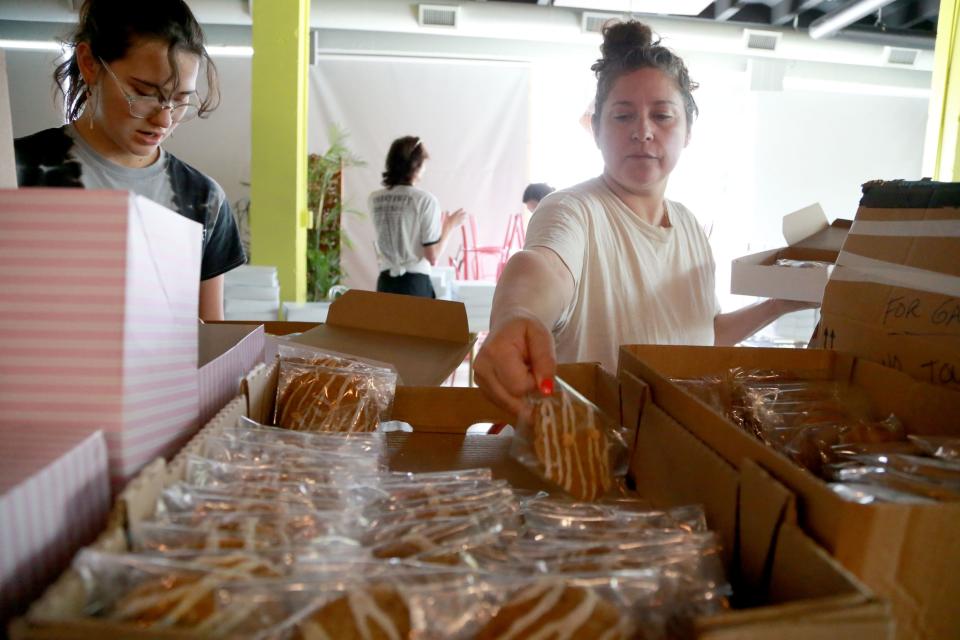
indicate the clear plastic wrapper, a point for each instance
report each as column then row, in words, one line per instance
column 810, row 420
column 935, row 470
column 590, row 517
column 322, row 391
column 863, row 493
column 359, row 443
column 803, row 264
column 283, row 456
column 945, row 447
column 206, row 472
column 892, row 478
column 386, row 601
column 247, row 531
column 154, row 592
column 571, row 443
column 843, row 452
column 409, row 538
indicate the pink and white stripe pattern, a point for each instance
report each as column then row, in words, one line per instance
column 98, row 319
column 54, row 498
column 220, row 378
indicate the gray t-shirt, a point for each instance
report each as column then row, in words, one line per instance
column 151, row 182
column 61, row 158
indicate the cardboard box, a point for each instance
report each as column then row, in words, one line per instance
column 906, row 553
column 227, row 352
column 54, row 498
column 894, row 296
column 793, row 589
column 98, row 310
column 424, row 339
column 8, row 164
column 809, row 237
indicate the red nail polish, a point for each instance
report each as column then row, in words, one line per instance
column 546, row 386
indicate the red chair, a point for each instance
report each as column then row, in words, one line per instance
column 469, row 258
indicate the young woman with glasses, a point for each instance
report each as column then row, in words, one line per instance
column 130, row 81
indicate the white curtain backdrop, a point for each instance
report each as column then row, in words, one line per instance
column 473, row 119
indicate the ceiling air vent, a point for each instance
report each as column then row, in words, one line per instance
column 900, row 56
column 439, row 15
column 761, row 40
column 593, row 22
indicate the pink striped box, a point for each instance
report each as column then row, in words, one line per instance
column 227, row 353
column 54, row 498
column 98, row 319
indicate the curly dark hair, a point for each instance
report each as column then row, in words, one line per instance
column 406, row 156
column 628, row 46
column 110, row 28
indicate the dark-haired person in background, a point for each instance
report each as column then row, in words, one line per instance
column 411, row 231
column 130, row 81
column 611, row 261
column 534, row 193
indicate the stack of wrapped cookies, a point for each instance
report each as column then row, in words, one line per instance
column 301, row 531
column 831, row 429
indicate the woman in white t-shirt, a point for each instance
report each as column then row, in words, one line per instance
column 611, row 261
column 411, row 231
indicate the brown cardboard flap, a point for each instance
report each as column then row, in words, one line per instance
column 633, row 398
column 829, row 239
column 799, row 570
column 425, row 452
column 839, row 618
column 260, row 388
column 765, row 505
column 417, row 406
column 424, row 339
column 214, row 340
column 913, row 553
column 671, row 467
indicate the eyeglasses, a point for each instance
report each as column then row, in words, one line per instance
column 149, row 106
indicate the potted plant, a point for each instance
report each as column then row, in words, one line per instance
column 325, row 201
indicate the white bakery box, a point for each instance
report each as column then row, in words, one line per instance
column 812, row 242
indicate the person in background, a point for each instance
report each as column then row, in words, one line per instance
column 611, row 261
column 411, row 231
column 130, row 81
column 534, row 193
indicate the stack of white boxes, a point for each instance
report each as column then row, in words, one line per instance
column 477, row 297
column 443, row 279
column 251, row 293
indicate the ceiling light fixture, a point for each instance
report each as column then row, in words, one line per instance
column 830, row 23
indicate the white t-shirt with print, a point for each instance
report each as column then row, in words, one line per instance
column 406, row 219
column 633, row 283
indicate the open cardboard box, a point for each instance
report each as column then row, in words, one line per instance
column 809, row 237
column 789, row 585
column 906, row 553
column 894, row 296
column 424, row 339
column 791, row 588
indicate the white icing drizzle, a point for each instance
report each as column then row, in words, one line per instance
column 547, row 602
column 565, row 627
column 311, row 630
column 364, row 608
column 562, row 457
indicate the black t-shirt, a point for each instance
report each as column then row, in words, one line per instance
column 60, row 158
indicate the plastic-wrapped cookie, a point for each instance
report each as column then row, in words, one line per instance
column 327, row 400
column 558, row 612
column 378, row 612
column 571, row 443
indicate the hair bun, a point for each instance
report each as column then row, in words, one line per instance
column 621, row 38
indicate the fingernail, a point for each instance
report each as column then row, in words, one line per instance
column 546, row 386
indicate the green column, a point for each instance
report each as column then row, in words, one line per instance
column 278, row 170
column 943, row 127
